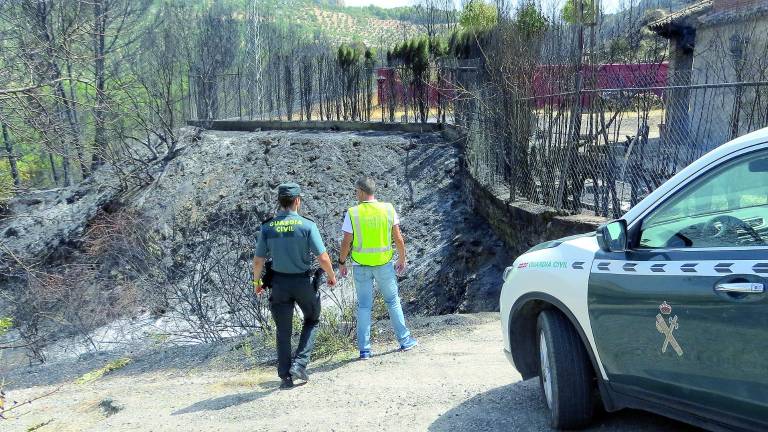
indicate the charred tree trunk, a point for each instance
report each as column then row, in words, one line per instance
column 75, row 123
column 11, row 155
column 99, row 109
column 289, row 90
column 54, row 174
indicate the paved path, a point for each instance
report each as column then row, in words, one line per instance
column 457, row 380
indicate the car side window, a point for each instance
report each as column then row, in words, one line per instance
column 727, row 207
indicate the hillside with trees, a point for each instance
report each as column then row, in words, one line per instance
column 371, row 25
column 78, row 75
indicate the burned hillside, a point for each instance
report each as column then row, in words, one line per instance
column 179, row 249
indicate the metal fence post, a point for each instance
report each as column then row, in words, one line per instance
column 239, row 96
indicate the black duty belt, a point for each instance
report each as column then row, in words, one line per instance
column 316, row 276
column 307, row 273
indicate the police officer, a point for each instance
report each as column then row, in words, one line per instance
column 291, row 240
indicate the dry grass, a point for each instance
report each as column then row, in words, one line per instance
column 108, row 368
column 255, row 378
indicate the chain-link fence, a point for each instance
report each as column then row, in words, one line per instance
column 599, row 151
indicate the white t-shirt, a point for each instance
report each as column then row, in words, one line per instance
column 347, row 225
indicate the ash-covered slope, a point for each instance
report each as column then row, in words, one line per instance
column 201, row 214
column 455, row 259
column 40, row 223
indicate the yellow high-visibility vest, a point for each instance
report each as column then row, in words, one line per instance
column 372, row 224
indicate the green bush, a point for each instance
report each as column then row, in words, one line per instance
column 478, row 16
column 530, row 21
column 336, row 332
column 6, row 323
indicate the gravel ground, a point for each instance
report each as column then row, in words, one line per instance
column 456, row 380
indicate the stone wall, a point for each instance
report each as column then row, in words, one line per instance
column 724, row 5
column 521, row 225
column 348, row 126
column 723, row 41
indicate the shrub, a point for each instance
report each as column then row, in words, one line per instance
column 6, row 323
column 335, row 334
column 478, row 16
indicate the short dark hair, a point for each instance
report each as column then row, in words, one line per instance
column 287, row 201
column 366, row 184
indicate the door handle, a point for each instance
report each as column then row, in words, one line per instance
column 740, row 287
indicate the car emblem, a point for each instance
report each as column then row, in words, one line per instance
column 665, row 308
column 668, row 329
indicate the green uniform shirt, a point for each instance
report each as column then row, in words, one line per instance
column 291, row 240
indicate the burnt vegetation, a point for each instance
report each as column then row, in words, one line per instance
column 94, row 94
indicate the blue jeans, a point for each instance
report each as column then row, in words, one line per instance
column 386, row 280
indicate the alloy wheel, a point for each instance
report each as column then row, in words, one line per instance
column 546, row 371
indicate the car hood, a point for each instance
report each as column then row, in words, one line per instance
column 555, row 243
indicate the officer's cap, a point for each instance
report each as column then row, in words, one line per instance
column 289, row 190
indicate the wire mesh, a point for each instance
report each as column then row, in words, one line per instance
column 597, row 151
column 600, row 151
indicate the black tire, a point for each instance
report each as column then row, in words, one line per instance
column 571, row 388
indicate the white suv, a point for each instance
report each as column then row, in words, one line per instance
column 664, row 309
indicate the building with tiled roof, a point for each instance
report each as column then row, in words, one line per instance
column 715, row 42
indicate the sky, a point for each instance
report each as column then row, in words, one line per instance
column 608, row 5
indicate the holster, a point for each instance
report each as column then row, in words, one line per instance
column 269, row 275
column 317, row 279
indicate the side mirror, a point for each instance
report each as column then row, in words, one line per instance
column 612, row 236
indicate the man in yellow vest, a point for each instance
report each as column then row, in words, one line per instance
column 369, row 230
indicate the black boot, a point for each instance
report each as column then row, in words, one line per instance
column 286, row 383
column 299, row 372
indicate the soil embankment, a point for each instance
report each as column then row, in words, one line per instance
column 170, row 263
column 223, row 179
column 456, row 260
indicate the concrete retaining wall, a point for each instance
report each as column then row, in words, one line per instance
column 253, row 125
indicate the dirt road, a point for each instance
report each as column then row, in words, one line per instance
column 457, row 380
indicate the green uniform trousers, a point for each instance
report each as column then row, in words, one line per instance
column 287, row 291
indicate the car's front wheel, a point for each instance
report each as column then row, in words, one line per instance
column 565, row 373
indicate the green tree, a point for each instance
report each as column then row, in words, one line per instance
column 571, row 11
column 348, row 58
column 478, row 16
column 370, row 65
column 530, row 21
column 438, row 47
column 619, row 49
